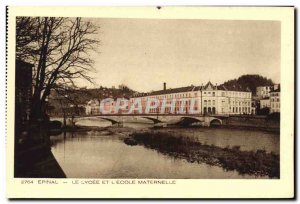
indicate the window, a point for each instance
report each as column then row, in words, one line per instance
column 213, row 110
column 223, row 93
column 209, row 110
column 213, row 93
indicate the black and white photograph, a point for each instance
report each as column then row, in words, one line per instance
column 135, row 98
column 147, row 98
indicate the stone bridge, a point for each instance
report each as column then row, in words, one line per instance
column 202, row 120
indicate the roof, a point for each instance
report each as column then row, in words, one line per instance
column 170, row 91
column 237, row 88
column 209, row 86
column 275, row 90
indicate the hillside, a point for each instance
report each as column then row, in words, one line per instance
column 79, row 97
column 250, row 81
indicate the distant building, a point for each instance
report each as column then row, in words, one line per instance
column 92, row 107
column 275, row 99
column 263, row 92
column 265, row 103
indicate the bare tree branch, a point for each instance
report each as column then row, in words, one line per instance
column 60, row 50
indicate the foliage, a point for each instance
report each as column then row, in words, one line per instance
column 79, row 97
column 263, row 111
column 274, row 116
column 250, row 81
column 259, row 163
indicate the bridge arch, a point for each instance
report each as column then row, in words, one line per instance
column 153, row 119
column 111, row 120
column 215, row 122
column 184, row 121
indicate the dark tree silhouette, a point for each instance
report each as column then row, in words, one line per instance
column 250, row 81
column 60, row 50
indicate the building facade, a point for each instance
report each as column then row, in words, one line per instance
column 174, row 99
column 23, row 94
column 23, row 97
column 275, row 100
column 92, row 107
column 263, row 92
column 205, row 100
column 265, row 103
column 208, row 99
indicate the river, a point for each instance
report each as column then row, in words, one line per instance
column 98, row 155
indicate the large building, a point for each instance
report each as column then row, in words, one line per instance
column 208, row 99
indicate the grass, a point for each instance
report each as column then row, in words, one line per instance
column 258, row 162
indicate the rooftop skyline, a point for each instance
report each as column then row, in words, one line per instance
column 144, row 53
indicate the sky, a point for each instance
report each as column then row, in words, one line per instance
column 144, row 53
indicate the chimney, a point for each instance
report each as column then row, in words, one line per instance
column 165, row 86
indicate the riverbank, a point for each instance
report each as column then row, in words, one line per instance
column 259, row 163
column 253, row 122
column 37, row 161
column 82, row 128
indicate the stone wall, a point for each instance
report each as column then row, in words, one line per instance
column 250, row 121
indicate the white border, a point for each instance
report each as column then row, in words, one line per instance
column 285, row 59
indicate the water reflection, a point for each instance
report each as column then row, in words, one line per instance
column 104, row 123
column 247, row 140
column 82, row 155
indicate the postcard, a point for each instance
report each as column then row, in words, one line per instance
column 150, row 102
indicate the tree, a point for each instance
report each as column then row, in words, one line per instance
column 60, row 50
column 263, row 111
column 249, row 81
